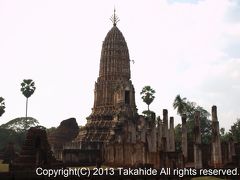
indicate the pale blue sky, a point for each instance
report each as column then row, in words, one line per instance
column 183, row 47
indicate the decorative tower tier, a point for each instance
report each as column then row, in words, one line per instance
column 114, row 95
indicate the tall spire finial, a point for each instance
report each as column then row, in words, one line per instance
column 114, row 18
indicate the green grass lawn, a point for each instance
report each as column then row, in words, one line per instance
column 4, row 168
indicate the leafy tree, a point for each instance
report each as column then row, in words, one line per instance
column 178, row 137
column 222, row 131
column 51, row 130
column 15, row 130
column 235, row 130
column 148, row 95
column 27, row 88
column 189, row 108
column 180, row 104
column 8, row 135
column 150, row 115
column 20, row 124
column 2, row 106
column 225, row 136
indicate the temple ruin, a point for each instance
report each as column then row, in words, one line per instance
column 116, row 135
column 35, row 152
column 184, row 138
column 197, row 142
column 216, row 143
column 114, row 129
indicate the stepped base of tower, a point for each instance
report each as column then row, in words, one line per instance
column 95, row 138
column 97, row 131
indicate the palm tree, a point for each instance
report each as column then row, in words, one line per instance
column 148, row 95
column 2, row 106
column 28, row 88
column 180, row 104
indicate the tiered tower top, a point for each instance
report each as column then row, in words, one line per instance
column 114, row 94
column 114, row 62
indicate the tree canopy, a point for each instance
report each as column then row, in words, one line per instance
column 2, row 106
column 148, row 95
column 189, row 108
column 20, row 124
column 235, row 131
column 15, row 130
column 180, row 104
column 28, row 87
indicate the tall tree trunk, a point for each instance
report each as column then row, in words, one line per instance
column 148, row 107
column 25, row 124
column 26, row 107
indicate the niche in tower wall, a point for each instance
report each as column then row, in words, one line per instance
column 127, row 97
column 37, row 142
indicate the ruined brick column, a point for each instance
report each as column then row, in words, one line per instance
column 171, row 136
column 197, row 142
column 159, row 133
column 229, row 155
column 231, row 150
column 152, row 136
column 184, row 137
column 216, row 144
column 165, row 129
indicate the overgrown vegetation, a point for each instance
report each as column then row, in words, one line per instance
column 234, row 132
column 183, row 106
column 2, row 106
column 15, row 130
column 147, row 94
